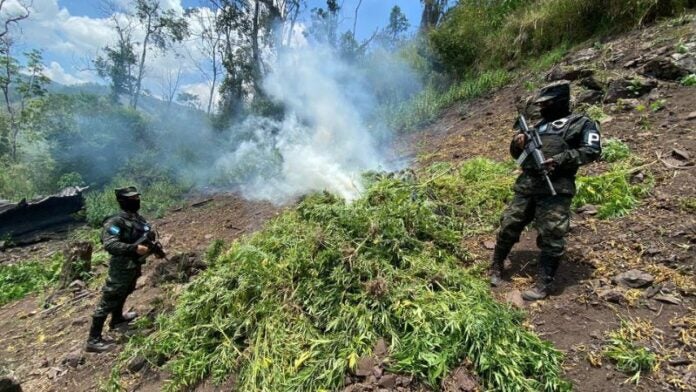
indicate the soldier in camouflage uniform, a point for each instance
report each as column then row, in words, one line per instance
column 569, row 141
column 119, row 234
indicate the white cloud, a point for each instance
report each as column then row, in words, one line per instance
column 70, row 42
column 57, row 74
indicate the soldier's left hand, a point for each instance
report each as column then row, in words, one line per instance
column 550, row 164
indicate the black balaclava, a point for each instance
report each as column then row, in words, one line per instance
column 558, row 108
column 129, row 205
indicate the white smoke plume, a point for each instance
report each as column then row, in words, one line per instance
column 322, row 143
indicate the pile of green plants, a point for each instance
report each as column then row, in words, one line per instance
column 18, row 280
column 613, row 192
column 296, row 305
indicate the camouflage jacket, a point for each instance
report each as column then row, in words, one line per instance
column 571, row 141
column 119, row 234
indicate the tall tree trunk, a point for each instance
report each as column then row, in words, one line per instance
column 355, row 18
column 141, row 67
column 212, row 84
column 255, row 46
column 14, row 127
column 432, row 11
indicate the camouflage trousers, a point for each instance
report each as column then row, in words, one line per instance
column 119, row 285
column 551, row 215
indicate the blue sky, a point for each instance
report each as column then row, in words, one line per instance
column 72, row 33
column 373, row 14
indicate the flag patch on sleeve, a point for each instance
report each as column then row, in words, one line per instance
column 114, row 230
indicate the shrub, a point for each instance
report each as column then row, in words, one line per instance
column 498, row 32
column 614, row 150
column 18, row 280
column 294, row 306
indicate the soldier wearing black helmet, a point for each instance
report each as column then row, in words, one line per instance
column 569, row 141
column 119, row 235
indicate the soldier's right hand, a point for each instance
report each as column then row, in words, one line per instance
column 142, row 250
column 520, row 140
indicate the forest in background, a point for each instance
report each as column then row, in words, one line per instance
column 124, row 134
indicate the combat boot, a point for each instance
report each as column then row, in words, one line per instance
column 120, row 319
column 538, row 292
column 547, row 269
column 95, row 343
column 495, row 272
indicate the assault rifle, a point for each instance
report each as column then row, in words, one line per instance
column 149, row 239
column 533, row 147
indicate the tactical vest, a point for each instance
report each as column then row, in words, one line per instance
column 554, row 141
column 131, row 230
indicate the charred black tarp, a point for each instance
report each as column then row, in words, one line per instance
column 17, row 219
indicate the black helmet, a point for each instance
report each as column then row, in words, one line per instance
column 556, row 91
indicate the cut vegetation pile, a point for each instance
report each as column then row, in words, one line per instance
column 295, row 306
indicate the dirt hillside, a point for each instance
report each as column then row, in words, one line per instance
column 643, row 104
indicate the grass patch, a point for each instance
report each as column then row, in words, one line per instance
column 18, row 280
column 689, row 80
column 688, row 204
column 623, row 347
column 612, row 192
column 615, row 150
column 157, row 197
column 596, row 113
column 294, row 306
column 427, row 105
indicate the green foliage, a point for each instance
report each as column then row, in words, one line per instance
column 215, row 249
column 428, row 104
column 499, row 32
column 156, row 198
column 27, row 179
column 612, row 192
column 689, row 80
column 70, row 179
column 596, row 113
column 18, row 280
column 623, row 349
column 294, row 306
column 688, row 204
column 614, row 150
column 658, row 105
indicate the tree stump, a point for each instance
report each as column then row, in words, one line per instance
column 77, row 264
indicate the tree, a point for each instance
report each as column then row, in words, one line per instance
column 324, row 26
column 210, row 42
column 394, row 32
column 189, row 99
column 118, row 62
column 161, row 29
column 10, row 18
column 30, row 82
column 169, row 85
column 433, row 10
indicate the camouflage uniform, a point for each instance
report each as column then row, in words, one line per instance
column 571, row 141
column 119, row 234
